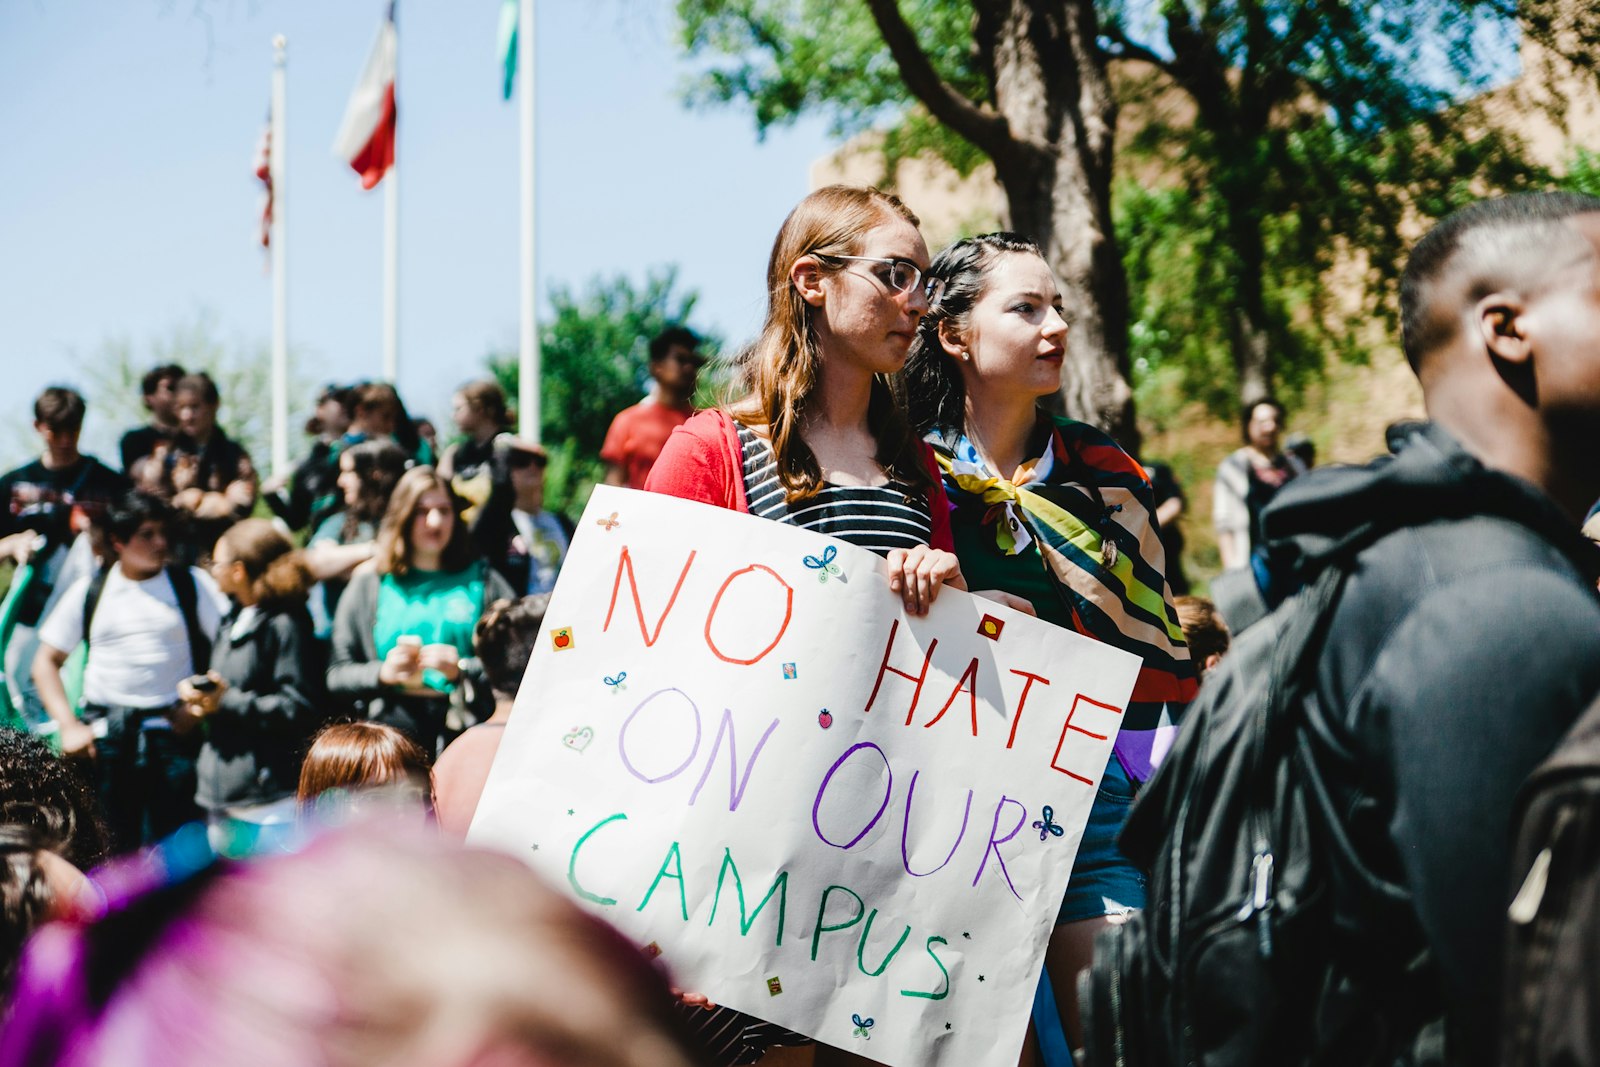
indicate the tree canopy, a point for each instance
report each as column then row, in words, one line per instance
column 1307, row 136
column 594, row 355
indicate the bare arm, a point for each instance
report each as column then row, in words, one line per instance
column 1168, row 510
column 1231, row 544
column 77, row 739
column 326, row 559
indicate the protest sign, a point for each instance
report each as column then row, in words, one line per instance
column 734, row 744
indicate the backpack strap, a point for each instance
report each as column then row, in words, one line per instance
column 91, row 598
column 182, row 579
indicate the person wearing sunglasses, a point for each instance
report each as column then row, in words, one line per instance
column 818, row 440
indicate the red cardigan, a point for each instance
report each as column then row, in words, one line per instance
column 702, row 461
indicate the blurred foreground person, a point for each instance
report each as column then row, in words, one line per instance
column 1338, row 810
column 362, row 949
column 50, row 832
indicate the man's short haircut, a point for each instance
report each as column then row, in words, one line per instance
column 199, row 382
column 671, row 337
column 1496, row 243
column 504, row 640
column 60, row 408
column 156, row 375
column 123, row 519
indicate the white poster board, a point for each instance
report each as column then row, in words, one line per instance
column 733, row 744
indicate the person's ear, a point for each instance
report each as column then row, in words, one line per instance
column 806, row 276
column 1501, row 321
column 950, row 339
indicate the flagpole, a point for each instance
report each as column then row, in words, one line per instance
column 528, row 354
column 391, row 272
column 279, row 155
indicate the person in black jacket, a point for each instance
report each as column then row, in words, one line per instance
column 260, row 702
column 524, row 542
column 1466, row 640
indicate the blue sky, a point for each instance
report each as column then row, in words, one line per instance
column 128, row 202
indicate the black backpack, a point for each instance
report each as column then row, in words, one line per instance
column 1552, row 975
column 188, row 597
column 1244, row 955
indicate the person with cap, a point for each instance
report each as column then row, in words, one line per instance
column 639, row 433
column 513, row 530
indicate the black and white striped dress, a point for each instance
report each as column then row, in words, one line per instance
column 879, row 518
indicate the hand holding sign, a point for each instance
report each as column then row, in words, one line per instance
column 866, row 867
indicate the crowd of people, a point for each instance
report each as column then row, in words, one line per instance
column 221, row 663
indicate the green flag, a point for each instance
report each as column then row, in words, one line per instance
column 508, row 45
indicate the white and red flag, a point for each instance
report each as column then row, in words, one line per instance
column 264, row 172
column 366, row 137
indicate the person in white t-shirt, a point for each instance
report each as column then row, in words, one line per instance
column 151, row 627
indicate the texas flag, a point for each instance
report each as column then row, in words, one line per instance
column 264, row 172
column 366, row 137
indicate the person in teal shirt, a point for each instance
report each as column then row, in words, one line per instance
column 402, row 635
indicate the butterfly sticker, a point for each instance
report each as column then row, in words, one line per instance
column 1047, row 825
column 619, row 683
column 609, row 523
column 862, row 1026
column 826, row 565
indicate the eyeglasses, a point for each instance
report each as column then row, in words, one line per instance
column 902, row 275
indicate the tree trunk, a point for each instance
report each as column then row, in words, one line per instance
column 1051, row 84
column 1249, row 334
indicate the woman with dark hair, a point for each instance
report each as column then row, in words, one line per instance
column 504, row 640
column 368, row 473
column 818, row 440
column 378, row 413
column 1248, row 479
column 261, row 699
column 307, row 495
column 1055, row 512
column 404, row 626
column 475, row 466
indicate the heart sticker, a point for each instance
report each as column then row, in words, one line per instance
column 578, row 739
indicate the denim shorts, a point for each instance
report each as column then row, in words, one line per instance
column 1103, row 881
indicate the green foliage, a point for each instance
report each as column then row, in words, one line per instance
column 241, row 367
column 786, row 58
column 594, row 359
column 1314, row 135
column 1582, row 173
